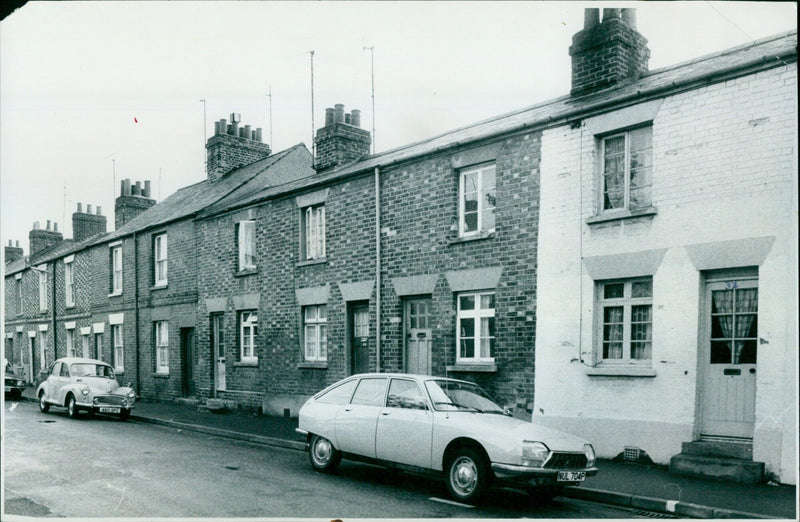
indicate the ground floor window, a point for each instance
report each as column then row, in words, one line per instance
column 315, row 333
column 626, row 320
column 475, row 334
column 162, row 346
column 70, row 342
column 119, row 350
column 248, row 330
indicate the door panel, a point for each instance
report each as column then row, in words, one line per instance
column 405, row 426
column 218, row 351
column 359, row 339
column 356, row 422
column 418, row 336
column 730, row 358
column 187, row 355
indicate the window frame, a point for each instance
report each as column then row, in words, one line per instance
column 476, row 315
column 70, row 342
column 118, row 347
column 69, row 283
column 627, row 302
column 116, row 270
column 481, row 190
column 161, row 333
column 246, row 244
column 626, row 206
column 248, row 320
column 319, row 326
column 20, row 302
column 314, row 229
column 43, row 279
column 160, row 259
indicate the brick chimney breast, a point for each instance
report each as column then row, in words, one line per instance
column 607, row 53
column 42, row 239
column 232, row 147
column 131, row 202
column 13, row 252
column 87, row 224
column 341, row 140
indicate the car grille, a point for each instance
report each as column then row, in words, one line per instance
column 110, row 400
column 566, row 461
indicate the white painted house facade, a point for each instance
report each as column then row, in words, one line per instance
column 667, row 262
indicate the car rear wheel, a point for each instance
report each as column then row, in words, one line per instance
column 44, row 407
column 467, row 475
column 324, row 457
column 72, row 408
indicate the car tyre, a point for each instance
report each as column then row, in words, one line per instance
column 124, row 415
column 467, row 475
column 44, row 407
column 72, row 407
column 324, row 457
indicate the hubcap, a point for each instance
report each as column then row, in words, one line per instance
column 464, row 475
column 322, row 451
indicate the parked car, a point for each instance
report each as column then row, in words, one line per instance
column 14, row 384
column 445, row 426
column 84, row 384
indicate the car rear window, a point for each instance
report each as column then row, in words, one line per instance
column 370, row 392
column 339, row 395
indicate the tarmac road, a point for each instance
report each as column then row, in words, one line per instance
column 102, row 467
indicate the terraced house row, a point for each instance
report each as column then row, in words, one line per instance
column 620, row 261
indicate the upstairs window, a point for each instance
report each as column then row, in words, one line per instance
column 628, row 170
column 626, row 320
column 477, row 199
column 476, row 327
column 248, row 331
column 116, row 270
column 19, row 297
column 246, row 239
column 160, row 259
column 42, row 289
column 69, row 284
column 315, row 333
column 314, row 232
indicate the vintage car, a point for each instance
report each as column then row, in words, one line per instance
column 84, row 384
column 440, row 425
column 14, row 384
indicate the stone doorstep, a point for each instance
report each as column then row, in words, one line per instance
column 722, row 468
column 733, row 450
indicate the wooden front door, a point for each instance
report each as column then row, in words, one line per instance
column 187, row 356
column 359, row 338
column 418, row 336
column 730, row 350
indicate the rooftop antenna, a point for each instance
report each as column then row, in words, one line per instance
column 371, row 50
column 270, row 116
column 159, row 183
column 313, row 145
column 205, row 140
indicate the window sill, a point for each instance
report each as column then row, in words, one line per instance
column 474, row 237
column 308, row 262
column 68, row 306
column 246, row 272
column 473, row 367
column 623, row 214
column 159, row 286
column 621, row 371
column 246, row 364
column 115, row 294
column 313, row 365
column 160, row 375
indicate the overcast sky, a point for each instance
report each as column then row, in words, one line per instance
column 96, row 92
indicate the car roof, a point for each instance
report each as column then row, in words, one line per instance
column 415, row 376
column 85, row 360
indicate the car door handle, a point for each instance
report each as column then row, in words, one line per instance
column 384, row 413
column 348, row 409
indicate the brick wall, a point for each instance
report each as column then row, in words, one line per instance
column 225, row 152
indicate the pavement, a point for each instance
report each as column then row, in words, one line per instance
column 632, row 485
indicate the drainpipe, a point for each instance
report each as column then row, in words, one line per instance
column 136, row 309
column 377, row 269
column 53, row 314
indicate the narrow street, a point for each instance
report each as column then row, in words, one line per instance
column 101, row 467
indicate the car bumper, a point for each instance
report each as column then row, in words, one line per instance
column 99, row 408
column 537, row 476
column 14, row 389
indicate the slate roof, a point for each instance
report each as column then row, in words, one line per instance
column 765, row 53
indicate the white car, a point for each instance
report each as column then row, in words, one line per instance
column 84, row 384
column 445, row 426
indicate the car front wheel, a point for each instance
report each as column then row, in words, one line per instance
column 72, row 408
column 324, row 457
column 468, row 475
column 44, row 407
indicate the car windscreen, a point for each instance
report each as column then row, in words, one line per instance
column 91, row 370
column 460, row 396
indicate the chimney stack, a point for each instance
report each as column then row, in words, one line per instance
column 13, row 252
column 87, row 224
column 341, row 140
column 132, row 201
column 233, row 146
column 607, row 53
column 41, row 240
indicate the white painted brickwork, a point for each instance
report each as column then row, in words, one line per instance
column 725, row 169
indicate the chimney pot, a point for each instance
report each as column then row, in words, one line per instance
column 223, row 126
column 9, row 243
column 248, row 133
column 347, row 118
column 127, row 191
column 338, row 114
column 55, row 226
column 146, row 192
column 80, row 207
column 629, row 16
column 216, row 128
column 36, row 225
column 610, row 12
column 591, row 17
column 242, row 133
column 99, row 213
column 88, row 208
column 258, row 134
column 329, row 116
column 355, row 118
column 234, row 127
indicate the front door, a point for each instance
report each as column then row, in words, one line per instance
column 85, row 346
column 218, row 351
column 31, row 361
column 418, row 336
column 98, row 347
column 359, row 339
column 729, row 358
column 187, row 356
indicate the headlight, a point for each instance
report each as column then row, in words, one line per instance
column 534, row 454
column 124, row 403
column 85, row 390
column 131, row 394
column 588, row 450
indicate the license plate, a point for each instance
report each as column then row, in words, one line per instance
column 109, row 410
column 571, row 476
